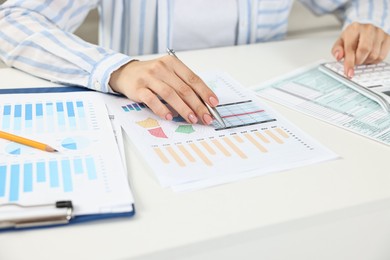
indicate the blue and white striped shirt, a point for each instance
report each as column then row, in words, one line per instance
column 36, row 35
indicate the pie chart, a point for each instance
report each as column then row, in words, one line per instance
column 75, row 143
column 17, row 149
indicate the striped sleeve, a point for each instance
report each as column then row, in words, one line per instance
column 36, row 37
column 375, row 12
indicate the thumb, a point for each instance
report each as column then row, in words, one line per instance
column 338, row 49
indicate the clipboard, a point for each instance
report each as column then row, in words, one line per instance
column 19, row 216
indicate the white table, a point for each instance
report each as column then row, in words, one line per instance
column 334, row 210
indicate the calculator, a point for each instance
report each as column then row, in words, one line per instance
column 371, row 80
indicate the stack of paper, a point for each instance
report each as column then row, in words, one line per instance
column 185, row 156
column 87, row 169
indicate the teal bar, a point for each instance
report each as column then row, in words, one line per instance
column 91, row 169
column 3, row 175
column 14, row 184
column 41, row 172
column 53, row 171
column 28, row 178
column 66, row 176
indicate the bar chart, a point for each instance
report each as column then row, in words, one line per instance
column 41, row 117
column 240, row 146
column 17, row 179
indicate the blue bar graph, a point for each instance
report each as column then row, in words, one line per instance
column 49, row 117
column 71, row 115
column 3, row 179
column 6, row 117
column 28, row 177
column 66, row 175
column 80, row 109
column 41, row 172
column 18, row 118
column 38, row 109
column 28, row 115
column 78, row 166
column 53, row 171
column 60, row 115
column 91, row 169
column 14, row 183
column 133, row 107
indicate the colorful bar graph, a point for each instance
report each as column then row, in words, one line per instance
column 231, row 146
column 71, row 115
column 60, row 115
column 133, row 107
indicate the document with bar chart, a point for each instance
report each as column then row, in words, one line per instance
column 255, row 140
column 87, row 170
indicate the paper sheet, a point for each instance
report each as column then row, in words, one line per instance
column 312, row 92
column 87, row 169
column 183, row 154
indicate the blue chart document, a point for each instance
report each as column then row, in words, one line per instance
column 314, row 93
column 87, row 170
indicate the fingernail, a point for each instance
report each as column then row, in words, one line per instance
column 213, row 101
column 207, row 119
column 192, row 118
column 350, row 73
column 169, row 117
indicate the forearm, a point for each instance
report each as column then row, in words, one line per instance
column 42, row 44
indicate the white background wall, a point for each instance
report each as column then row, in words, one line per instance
column 302, row 23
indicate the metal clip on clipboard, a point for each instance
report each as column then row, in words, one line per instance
column 23, row 216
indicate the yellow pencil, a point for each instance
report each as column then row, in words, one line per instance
column 25, row 141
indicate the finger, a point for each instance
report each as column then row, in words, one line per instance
column 187, row 94
column 373, row 57
column 350, row 45
column 154, row 103
column 196, row 83
column 365, row 45
column 338, row 49
column 167, row 93
column 385, row 49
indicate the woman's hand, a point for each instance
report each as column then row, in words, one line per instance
column 361, row 44
column 170, row 79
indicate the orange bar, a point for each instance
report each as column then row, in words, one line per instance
column 262, row 137
column 273, row 136
column 253, row 141
column 175, row 156
column 238, row 138
column 234, row 147
column 207, row 147
column 201, row 154
column 186, row 153
column 161, row 155
column 221, row 148
column 282, row 132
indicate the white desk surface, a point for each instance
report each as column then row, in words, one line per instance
column 334, row 210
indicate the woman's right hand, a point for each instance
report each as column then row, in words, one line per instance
column 170, row 79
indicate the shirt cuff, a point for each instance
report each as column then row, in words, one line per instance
column 100, row 76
